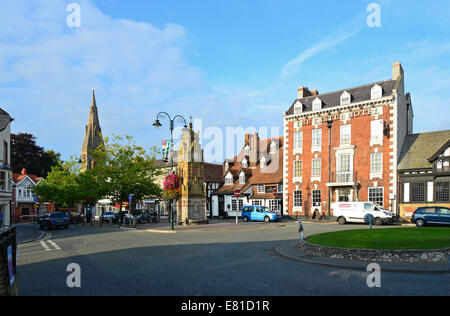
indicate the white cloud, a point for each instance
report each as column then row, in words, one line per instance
column 47, row 70
column 348, row 31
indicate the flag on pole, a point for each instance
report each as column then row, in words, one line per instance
column 166, row 146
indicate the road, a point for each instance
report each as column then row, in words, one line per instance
column 197, row 263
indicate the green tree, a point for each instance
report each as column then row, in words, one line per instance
column 61, row 185
column 123, row 168
column 25, row 153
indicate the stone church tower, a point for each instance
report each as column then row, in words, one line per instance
column 93, row 137
column 191, row 206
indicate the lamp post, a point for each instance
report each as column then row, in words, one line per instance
column 330, row 125
column 157, row 124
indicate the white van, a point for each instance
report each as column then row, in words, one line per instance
column 354, row 212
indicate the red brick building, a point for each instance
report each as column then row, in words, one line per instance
column 345, row 145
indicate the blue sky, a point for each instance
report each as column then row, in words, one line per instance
column 229, row 63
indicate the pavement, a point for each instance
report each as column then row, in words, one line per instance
column 289, row 250
column 27, row 233
column 213, row 225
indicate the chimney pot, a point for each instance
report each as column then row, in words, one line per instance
column 315, row 92
column 24, row 171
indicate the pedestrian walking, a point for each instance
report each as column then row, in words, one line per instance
column 120, row 218
column 301, row 229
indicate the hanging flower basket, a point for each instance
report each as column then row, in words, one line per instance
column 171, row 189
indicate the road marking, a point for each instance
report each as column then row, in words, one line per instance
column 54, row 245
column 45, row 246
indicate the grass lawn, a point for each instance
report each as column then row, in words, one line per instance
column 388, row 238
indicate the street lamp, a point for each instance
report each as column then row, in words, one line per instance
column 157, row 124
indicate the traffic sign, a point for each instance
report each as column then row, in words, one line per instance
column 237, row 193
column 275, row 193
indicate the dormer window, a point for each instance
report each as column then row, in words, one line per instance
column 247, row 151
column 346, row 98
column 242, row 178
column 298, row 108
column 244, row 163
column 447, row 152
column 273, row 147
column 229, row 179
column 317, row 104
column 263, row 162
column 376, row 92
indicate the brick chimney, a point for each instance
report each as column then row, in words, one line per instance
column 304, row 92
column 254, row 149
column 24, row 171
column 397, row 70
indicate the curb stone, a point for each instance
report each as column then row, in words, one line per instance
column 41, row 236
column 356, row 265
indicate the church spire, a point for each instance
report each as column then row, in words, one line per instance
column 93, row 137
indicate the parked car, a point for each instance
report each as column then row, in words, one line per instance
column 431, row 215
column 259, row 213
column 355, row 212
column 143, row 217
column 53, row 220
column 75, row 217
column 107, row 216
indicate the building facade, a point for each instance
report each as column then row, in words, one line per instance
column 424, row 172
column 23, row 204
column 345, row 145
column 257, row 172
column 5, row 169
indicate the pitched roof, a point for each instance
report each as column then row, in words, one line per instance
column 5, row 119
column 272, row 174
column 213, row 173
column 418, row 148
column 19, row 177
column 333, row 99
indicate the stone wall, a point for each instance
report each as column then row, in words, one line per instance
column 387, row 256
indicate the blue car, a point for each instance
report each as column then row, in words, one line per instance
column 431, row 215
column 259, row 213
column 54, row 220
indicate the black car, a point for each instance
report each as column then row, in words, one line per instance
column 75, row 217
column 431, row 215
column 143, row 217
column 53, row 220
